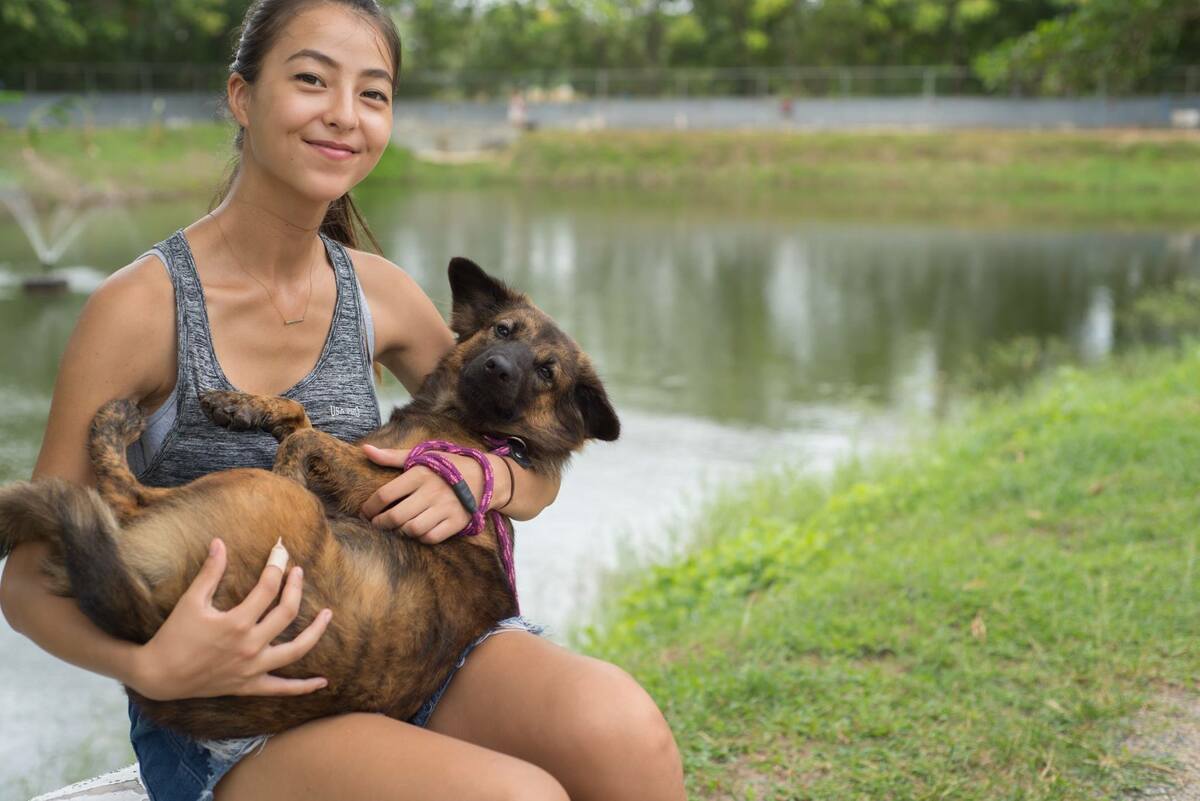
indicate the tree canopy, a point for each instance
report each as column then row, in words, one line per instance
column 1035, row 45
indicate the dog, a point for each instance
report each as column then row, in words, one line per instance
column 404, row 611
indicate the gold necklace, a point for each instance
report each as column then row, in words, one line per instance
column 270, row 297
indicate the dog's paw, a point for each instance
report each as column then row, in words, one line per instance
column 121, row 419
column 235, row 411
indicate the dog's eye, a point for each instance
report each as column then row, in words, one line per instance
column 502, row 330
column 546, row 372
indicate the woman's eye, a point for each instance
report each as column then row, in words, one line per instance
column 502, row 330
column 309, row 78
column 546, row 372
column 374, row 94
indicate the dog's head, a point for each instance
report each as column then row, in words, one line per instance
column 518, row 374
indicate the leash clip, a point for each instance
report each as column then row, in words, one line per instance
column 518, row 451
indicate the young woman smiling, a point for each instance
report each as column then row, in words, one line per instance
column 252, row 296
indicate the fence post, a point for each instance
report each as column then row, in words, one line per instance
column 844, row 79
column 30, row 80
column 929, row 83
column 1190, row 81
column 602, row 83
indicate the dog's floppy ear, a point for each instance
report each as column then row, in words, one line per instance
column 599, row 418
column 477, row 297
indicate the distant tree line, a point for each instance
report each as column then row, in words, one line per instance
column 1036, row 45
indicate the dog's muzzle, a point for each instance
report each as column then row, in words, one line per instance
column 494, row 381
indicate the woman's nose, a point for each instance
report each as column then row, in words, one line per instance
column 342, row 112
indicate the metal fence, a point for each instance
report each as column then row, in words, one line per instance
column 568, row 84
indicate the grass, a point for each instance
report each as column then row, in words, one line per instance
column 1034, row 175
column 977, row 620
column 1136, row 177
column 128, row 163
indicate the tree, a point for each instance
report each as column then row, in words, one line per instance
column 1115, row 45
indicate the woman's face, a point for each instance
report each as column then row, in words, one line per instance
column 320, row 114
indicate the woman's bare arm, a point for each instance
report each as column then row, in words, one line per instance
column 411, row 337
column 124, row 347
column 96, row 367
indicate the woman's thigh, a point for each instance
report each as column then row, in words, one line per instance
column 374, row 758
column 585, row 721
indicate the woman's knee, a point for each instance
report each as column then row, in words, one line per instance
column 527, row 782
column 616, row 719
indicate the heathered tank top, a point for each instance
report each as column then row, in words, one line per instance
column 180, row 443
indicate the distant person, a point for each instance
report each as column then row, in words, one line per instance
column 518, row 113
column 270, row 293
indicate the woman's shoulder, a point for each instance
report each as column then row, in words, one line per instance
column 132, row 313
column 143, row 286
column 406, row 321
column 386, row 284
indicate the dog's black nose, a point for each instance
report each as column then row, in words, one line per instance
column 499, row 367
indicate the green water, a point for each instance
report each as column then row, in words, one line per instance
column 729, row 340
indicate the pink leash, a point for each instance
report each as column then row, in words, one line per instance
column 426, row 454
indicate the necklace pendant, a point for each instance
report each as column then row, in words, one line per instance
column 293, row 322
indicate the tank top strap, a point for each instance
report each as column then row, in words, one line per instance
column 193, row 339
column 352, row 323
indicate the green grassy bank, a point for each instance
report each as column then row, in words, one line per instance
column 1111, row 175
column 977, row 620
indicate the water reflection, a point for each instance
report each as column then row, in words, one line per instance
column 748, row 320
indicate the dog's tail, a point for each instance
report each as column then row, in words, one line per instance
column 84, row 560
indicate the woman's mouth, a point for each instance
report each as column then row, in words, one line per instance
column 332, row 150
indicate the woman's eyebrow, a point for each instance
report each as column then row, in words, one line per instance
column 317, row 55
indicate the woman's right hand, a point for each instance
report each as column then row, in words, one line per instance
column 201, row 652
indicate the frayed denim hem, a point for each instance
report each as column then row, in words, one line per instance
column 223, row 755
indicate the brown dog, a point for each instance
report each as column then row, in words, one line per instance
column 404, row 611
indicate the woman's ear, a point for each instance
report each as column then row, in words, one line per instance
column 237, row 93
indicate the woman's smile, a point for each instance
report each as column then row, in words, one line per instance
column 335, row 151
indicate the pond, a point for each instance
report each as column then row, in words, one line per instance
column 732, row 339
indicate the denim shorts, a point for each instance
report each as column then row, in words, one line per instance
column 175, row 767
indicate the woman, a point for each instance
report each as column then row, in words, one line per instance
column 311, row 89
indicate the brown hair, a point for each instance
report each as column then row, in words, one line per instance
column 264, row 21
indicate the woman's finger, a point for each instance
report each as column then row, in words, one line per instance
column 204, row 585
column 277, row 656
column 388, row 457
column 442, row 532
column 251, row 609
column 267, row 684
column 411, row 506
column 417, row 527
column 402, row 485
column 276, row 621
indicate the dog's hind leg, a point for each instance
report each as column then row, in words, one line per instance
column 239, row 411
column 84, row 560
column 115, row 426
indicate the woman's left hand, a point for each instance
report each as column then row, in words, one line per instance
column 428, row 510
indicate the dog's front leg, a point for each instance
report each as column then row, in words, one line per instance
column 239, row 411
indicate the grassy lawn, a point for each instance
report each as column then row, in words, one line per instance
column 1134, row 177
column 133, row 163
column 977, row 620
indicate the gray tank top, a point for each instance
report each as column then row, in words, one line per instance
column 180, row 443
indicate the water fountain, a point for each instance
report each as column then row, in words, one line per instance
column 67, row 221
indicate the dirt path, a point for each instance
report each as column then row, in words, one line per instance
column 1167, row 736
